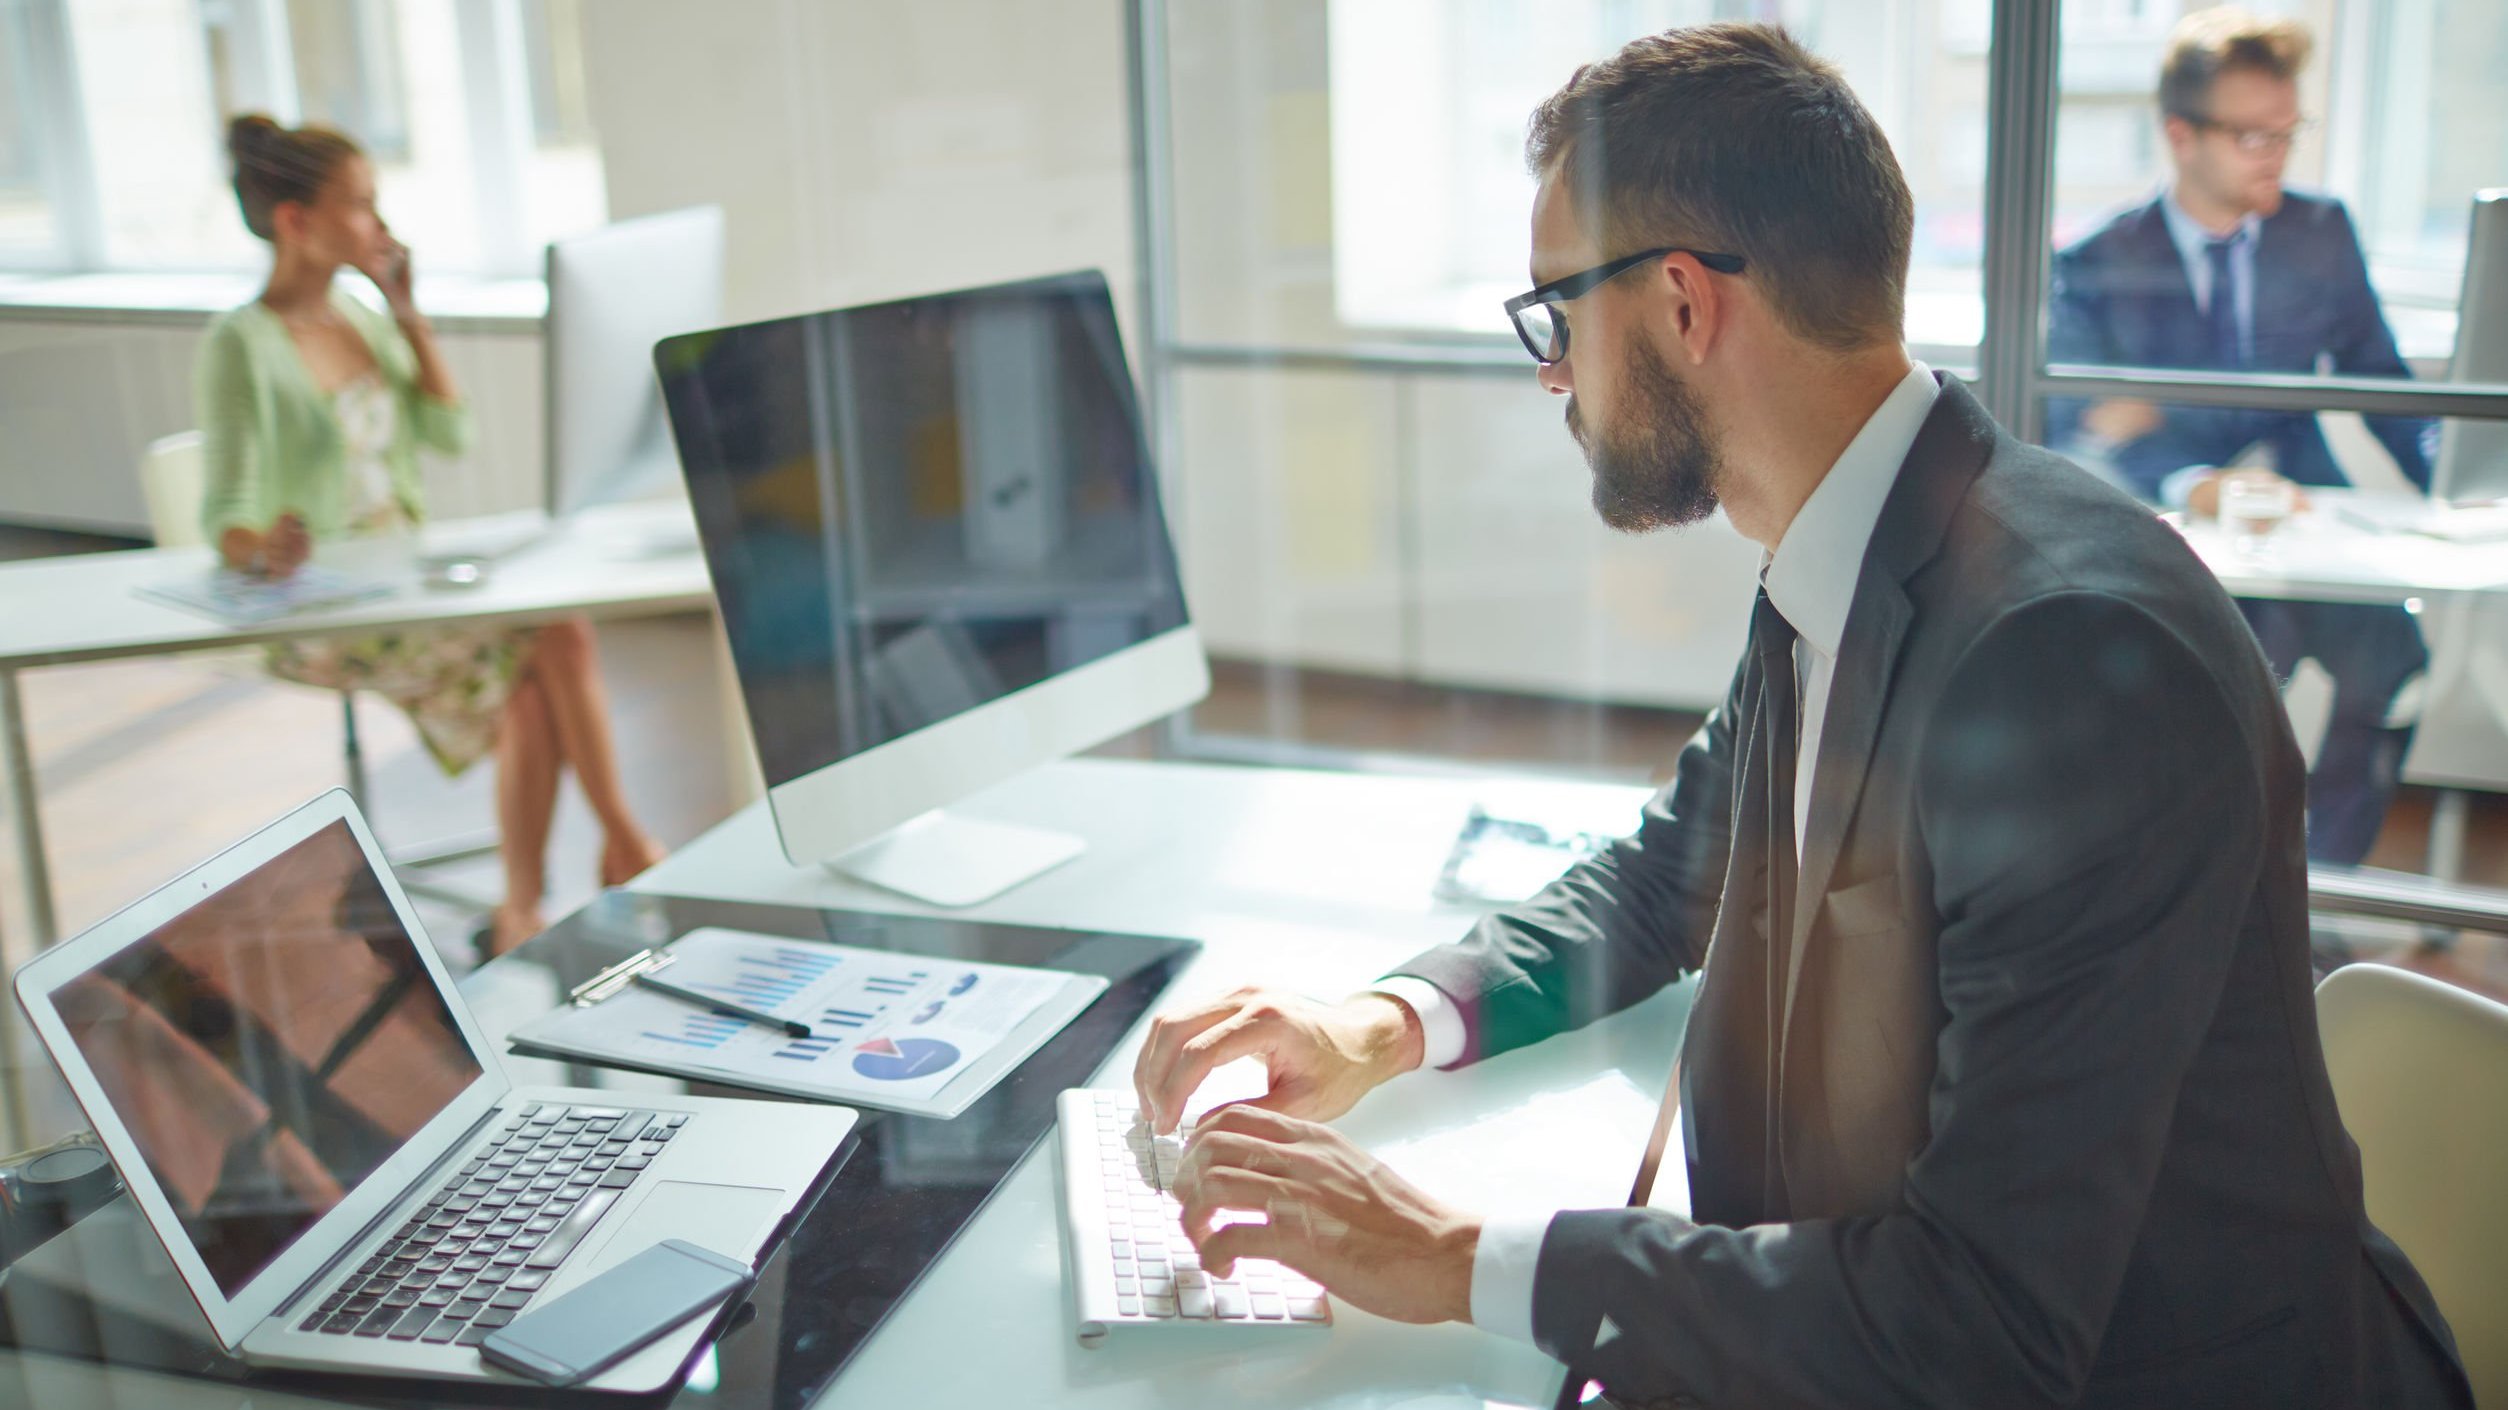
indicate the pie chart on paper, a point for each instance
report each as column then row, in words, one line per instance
column 902, row 1059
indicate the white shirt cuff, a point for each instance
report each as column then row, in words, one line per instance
column 1440, row 1022
column 1502, row 1275
column 2179, row 486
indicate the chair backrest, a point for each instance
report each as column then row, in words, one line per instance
column 171, row 480
column 2420, row 1072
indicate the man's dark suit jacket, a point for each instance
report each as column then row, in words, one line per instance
column 2048, row 1121
column 2121, row 297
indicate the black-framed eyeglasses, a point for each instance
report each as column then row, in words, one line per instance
column 2254, row 141
column 1542, row 324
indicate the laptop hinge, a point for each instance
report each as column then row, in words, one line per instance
column 393, row 1206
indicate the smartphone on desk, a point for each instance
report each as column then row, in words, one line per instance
column 589, row 1327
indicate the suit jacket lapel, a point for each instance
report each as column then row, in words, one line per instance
column 1954, row 445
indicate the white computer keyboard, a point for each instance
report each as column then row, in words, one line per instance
column 1127, row 1259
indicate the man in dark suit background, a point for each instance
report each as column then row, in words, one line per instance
column 2228, row 270
column 2002, row 1085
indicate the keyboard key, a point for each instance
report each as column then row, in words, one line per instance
column 414, row 1322
column 618, row 1179
column 510, row 1299
column 1270, row 1306
column 571, row 1231
column 1194, row 1302
column 493, row 1317
column 528, row 1278
column 442, row 1331
column 342, row 1323
column 1306, row 1309
column 1129, row 1306
column 472, row 1335
column 378, row 1322
column 1156, row 1305
column 1231, row 1300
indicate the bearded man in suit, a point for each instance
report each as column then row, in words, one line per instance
column 2002, row 1085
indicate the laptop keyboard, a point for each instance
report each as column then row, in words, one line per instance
column 470, row 1259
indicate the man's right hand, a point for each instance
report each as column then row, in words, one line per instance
column 1322, row 1057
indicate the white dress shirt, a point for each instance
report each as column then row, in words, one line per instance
column 1811, row 580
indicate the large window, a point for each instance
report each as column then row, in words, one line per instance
column 1428, row 103
column 113, row 158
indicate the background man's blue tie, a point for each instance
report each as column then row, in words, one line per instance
column 2223, row 313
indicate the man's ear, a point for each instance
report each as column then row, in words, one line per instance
column 1695, row 305
column 2180, row 136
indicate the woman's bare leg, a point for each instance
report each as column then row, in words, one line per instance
column 566, row 663
column 527, row 765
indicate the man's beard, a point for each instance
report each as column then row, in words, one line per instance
column 1657, row 468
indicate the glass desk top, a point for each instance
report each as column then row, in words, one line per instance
column 888, row 1206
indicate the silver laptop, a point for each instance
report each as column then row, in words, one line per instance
column 316, row 1129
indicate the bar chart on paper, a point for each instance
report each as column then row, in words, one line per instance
column 887, row 1029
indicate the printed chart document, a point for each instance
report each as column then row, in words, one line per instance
column 911, row 1033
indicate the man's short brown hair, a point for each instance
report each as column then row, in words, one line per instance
column 1733, row 137
column 2209, row 43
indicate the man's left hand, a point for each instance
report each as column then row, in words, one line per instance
column 1336, row 1214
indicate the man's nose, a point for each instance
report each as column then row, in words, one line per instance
column 1554, row 378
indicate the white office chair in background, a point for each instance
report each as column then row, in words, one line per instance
column 2420, row 1072
column 172, row 481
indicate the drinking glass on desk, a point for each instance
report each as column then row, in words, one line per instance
column 2253, row 505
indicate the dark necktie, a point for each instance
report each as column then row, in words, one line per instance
column 2222, row 316
column 1780, row 726
column 1776, row 729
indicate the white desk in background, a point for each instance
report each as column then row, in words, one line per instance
column 1311, row 881
column 619, row 561
column 2460, row 591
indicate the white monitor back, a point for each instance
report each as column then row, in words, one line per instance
column 613, row 294
column 2473, row 455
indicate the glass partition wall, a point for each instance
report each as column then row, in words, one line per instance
column 1387, row 534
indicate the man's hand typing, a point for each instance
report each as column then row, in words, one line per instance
column 1322, row 1057
column 1330, row 1210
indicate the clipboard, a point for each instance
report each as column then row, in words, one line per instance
column 923, row 1034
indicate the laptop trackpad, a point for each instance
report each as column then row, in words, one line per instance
column 724, row 1218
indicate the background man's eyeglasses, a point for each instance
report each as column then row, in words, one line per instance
column 2255, row 141
column 1542, row 324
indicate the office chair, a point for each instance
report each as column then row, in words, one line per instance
column 172, row 481
column 2420, row 1072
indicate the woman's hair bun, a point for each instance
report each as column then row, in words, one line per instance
column 274, row 164
column 250, row 134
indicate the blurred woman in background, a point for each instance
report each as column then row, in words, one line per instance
column 312, row 410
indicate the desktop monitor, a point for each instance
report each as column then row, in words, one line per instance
column 2473, row 455
column 936, row 539
column 614, row 293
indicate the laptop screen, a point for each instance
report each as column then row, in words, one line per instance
column 269, row 1048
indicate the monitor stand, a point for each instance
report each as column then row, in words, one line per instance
column 949, row 860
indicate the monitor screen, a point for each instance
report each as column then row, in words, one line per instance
column 912, row 509
column 269, row 1048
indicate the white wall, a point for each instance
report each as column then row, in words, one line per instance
column 867, row 151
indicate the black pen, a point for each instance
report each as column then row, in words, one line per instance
column 708, row 1001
